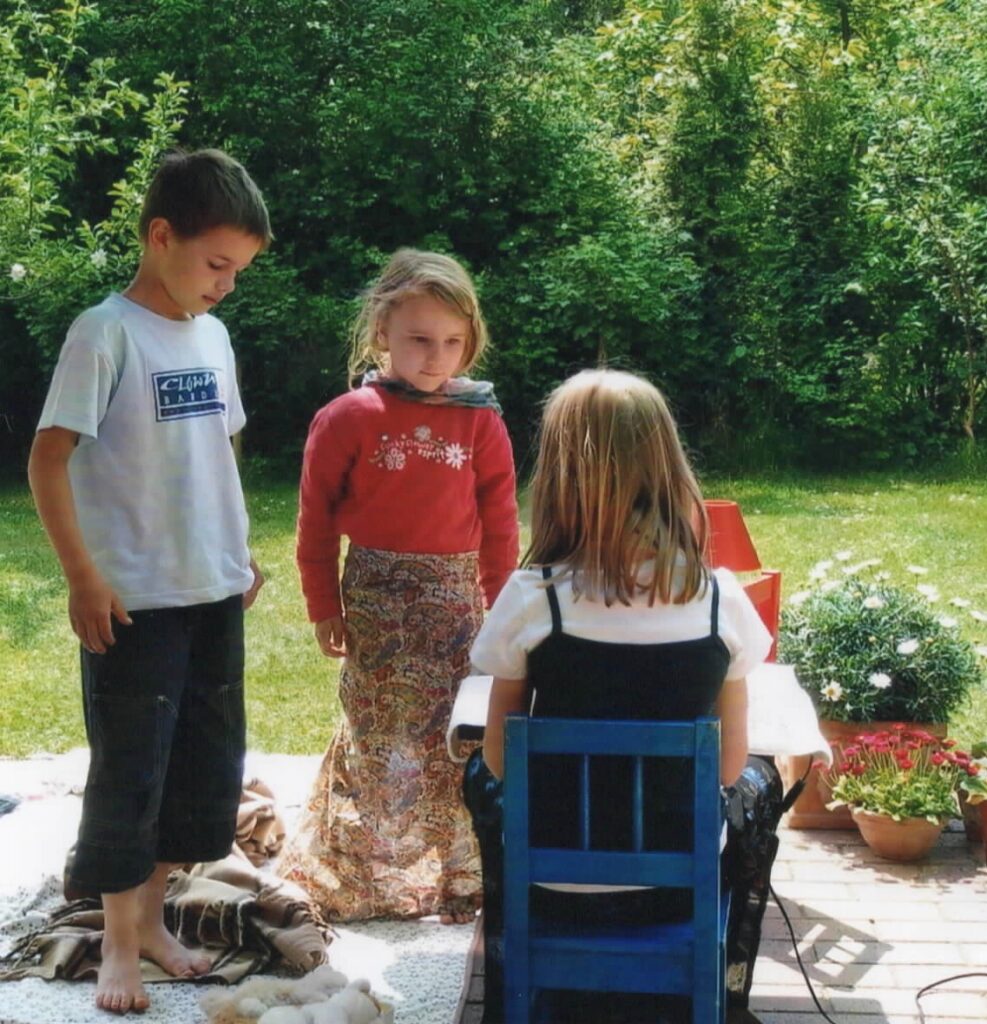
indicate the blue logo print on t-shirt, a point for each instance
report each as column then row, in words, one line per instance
column 179, row 394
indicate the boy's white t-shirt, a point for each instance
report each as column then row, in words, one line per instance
column 154, row 478
column 520, row 620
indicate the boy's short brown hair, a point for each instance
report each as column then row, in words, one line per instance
column 207, row 189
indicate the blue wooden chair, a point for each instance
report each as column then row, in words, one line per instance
column 682, row 958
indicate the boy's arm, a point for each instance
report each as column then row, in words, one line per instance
column 251, row 595
column 92, row 603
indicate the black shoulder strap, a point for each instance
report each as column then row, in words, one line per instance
column 714, row 615
column 553, row 600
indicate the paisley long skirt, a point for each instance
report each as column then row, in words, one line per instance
column 385, row 832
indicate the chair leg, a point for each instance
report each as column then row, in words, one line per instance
column 707, row 1006
column 518, row 1005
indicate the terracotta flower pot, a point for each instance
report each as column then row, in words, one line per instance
column 972, row 822
column 906, row 840
column 975, row 822
column 809, row 810
column 983, row 827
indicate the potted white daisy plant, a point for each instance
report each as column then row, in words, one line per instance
column 872, row 653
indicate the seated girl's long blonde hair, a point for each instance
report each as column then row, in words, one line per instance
column 613, row 489
column 411, row 272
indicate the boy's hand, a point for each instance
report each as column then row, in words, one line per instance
column 251, row 595
column 329, row 633
column 92, row 607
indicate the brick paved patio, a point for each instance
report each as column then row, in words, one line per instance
column 871, row 934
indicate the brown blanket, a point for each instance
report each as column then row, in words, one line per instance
column 243, row 919
column 259, row 828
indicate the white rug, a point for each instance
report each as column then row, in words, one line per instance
column 417, row 966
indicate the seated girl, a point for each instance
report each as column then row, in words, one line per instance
column 615, row 614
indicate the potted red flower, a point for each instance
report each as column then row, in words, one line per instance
column 901, row 786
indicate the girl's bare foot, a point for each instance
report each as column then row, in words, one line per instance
column 159, row 945
column 119, row 988
column 457, row 916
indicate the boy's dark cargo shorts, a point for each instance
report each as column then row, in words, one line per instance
column 165, row 720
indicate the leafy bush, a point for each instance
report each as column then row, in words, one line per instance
column 774, row 210
column 58, row 107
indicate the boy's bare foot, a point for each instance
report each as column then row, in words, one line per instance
column 119, row 988
column 159, row 945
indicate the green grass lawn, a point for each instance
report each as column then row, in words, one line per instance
column 291, row 688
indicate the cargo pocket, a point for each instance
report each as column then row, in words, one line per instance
column 128, row 736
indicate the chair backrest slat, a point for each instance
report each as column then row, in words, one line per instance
column 611, row 867
column 637, row 809
column 584, row 809
column 585, row 736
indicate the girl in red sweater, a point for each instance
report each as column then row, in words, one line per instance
column 415, row 468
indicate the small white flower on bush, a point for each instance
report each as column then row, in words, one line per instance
column 917, row 570
column 832, row 691
column 948, row 621
column 98, row 257
column 852, row 570
column 981, row 649
column 959, row 602
column 882, row 577
column 978, row 616
column 18, row 272
column 928, row 591
column 800, row 598
column 907, row 647
column 829, row 585
column 873, row 601
column 879, row 679
column 843, row 556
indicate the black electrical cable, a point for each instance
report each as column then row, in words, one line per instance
column 942, row 981
column 795, row 947
column 812, row 992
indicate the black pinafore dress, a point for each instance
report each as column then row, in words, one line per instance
column 573, row 677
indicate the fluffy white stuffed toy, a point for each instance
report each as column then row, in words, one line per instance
column 320, row 997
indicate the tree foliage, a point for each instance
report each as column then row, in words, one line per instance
column 775, row 208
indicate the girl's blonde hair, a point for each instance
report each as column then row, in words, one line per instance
column 411, row 272
column 613, row 489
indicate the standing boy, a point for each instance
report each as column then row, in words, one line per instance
column 135, row 480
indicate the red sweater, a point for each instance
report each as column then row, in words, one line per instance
column 400, row 475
